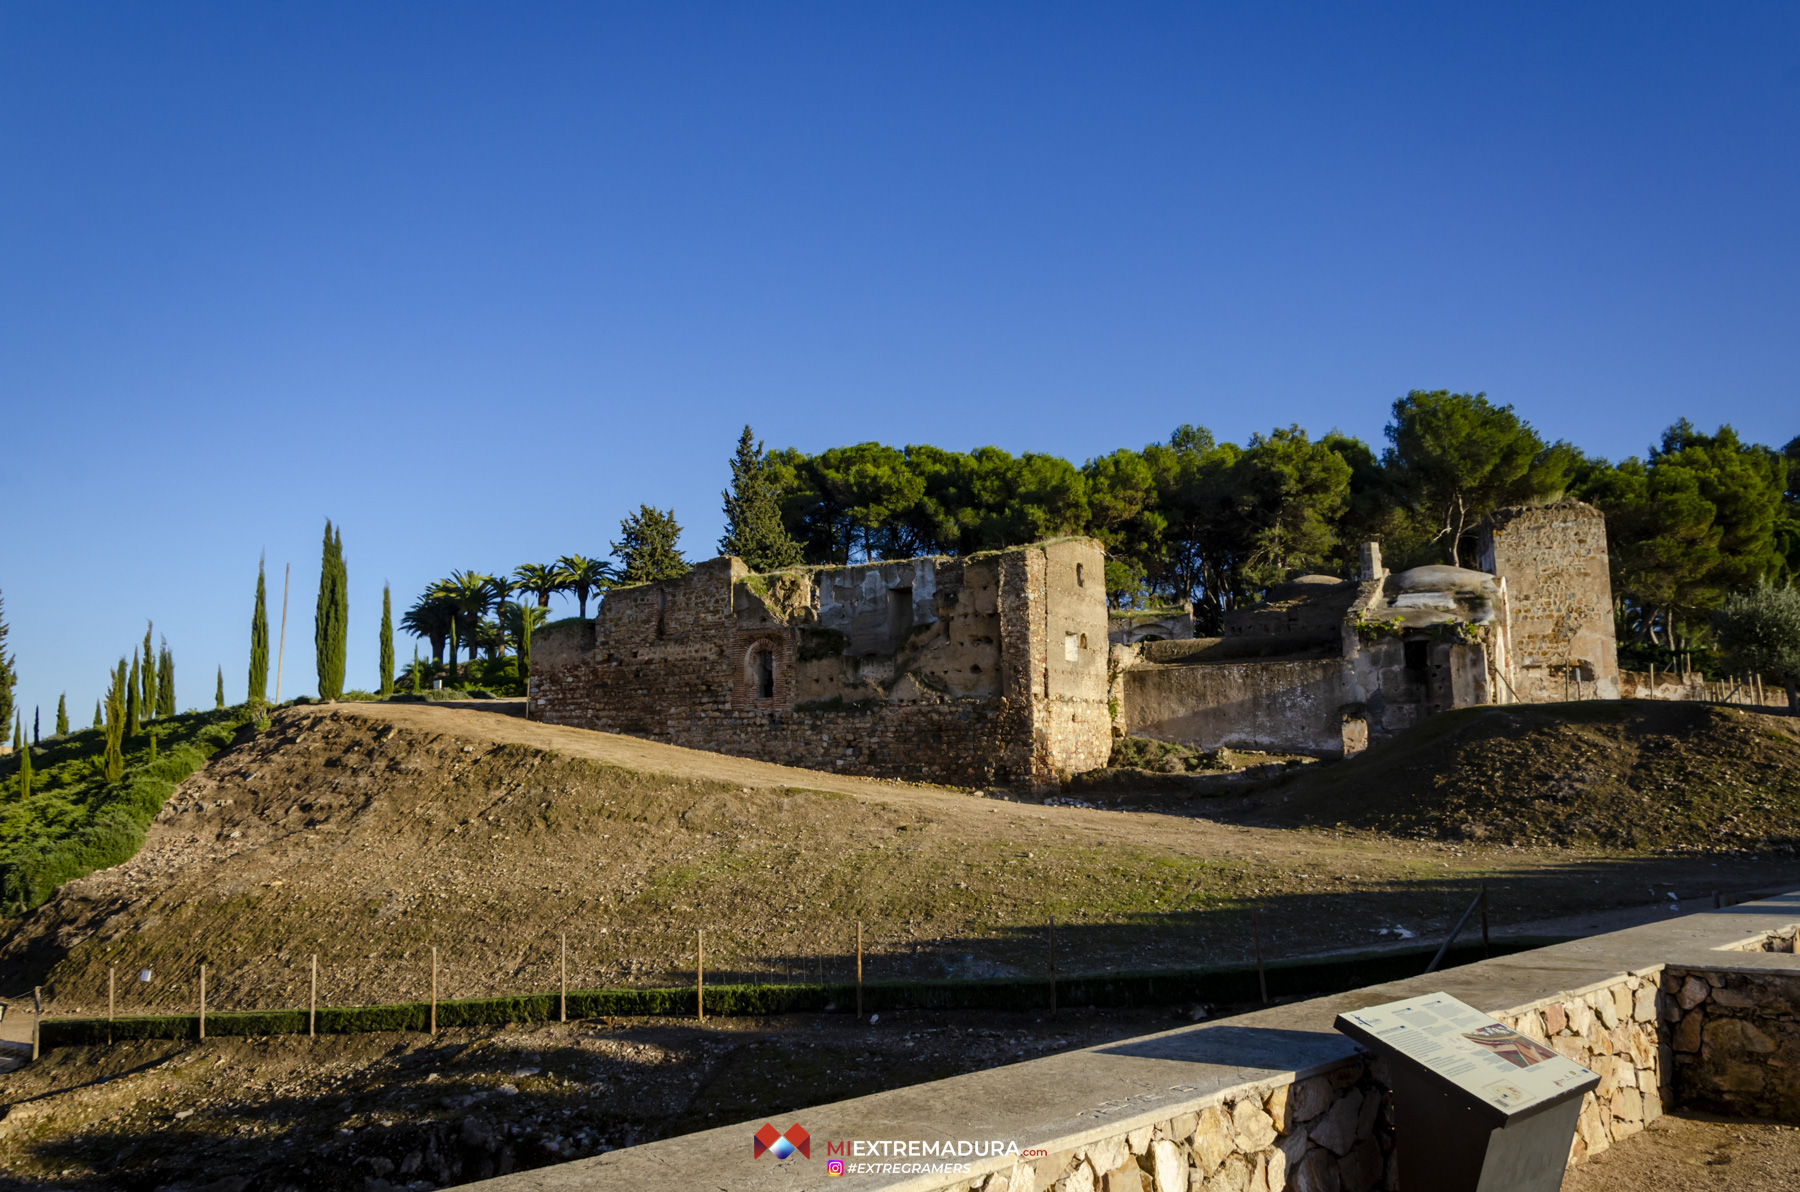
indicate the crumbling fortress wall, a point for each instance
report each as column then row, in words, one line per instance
column 983, row 670
column 1553, row 559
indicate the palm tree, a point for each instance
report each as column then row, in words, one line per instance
column 469, row 593
column 429, row 618
column 541, row 579
column 585, row 575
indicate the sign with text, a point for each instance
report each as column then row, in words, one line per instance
column 1487, row 1060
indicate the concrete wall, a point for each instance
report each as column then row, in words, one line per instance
column 1287, row 706
column 1554, row 562
column 980, row 671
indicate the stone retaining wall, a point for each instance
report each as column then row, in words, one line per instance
column 1735, row 1038
column 1333, row 1131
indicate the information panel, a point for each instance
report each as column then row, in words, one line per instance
column 1489, row 1061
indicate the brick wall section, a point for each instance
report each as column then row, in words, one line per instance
column 976, row 672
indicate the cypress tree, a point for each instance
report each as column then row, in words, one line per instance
column 116, row 700
column 219, row 691
column 415, row 671
column 147, row 698
column 259, row 643
column 452, row 651
column 753, row 528
column 98, row 722
column 62, row 714
column 526, row 616
column 9, row 678
column 648, row 549
column 24, row 749
column 165, row 682
column 331, row 618
column 387, row 641
column 133, row 710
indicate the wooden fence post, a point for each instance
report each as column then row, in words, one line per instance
column 434, row 991
column 562, row 1013
column 203, row 1001
column 1262, row 979
column 1485, row 951
column 859, row 1004
column 312, row 1000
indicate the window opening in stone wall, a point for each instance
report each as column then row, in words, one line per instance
column 1084, row 641
column 900, row 617
column 1418, row 654
column 1079, row 582
column 765, row 674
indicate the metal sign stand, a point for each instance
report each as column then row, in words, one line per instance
column 1477, row 1107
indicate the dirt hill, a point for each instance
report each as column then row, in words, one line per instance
column 1623, row 774
column 370, row 834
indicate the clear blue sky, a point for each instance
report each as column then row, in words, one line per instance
column 475, row 280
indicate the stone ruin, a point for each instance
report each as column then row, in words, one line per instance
column 989, row 669
column 1005, row 668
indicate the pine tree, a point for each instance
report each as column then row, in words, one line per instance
column 62, row 715
column 147, row 697
column 648, row 549
column 219, row 691
column 165, row 682
column 24, row 749
column 259, row 643
column 753, row 528
column 387, row 641
column 331, row 618
column 9, row 678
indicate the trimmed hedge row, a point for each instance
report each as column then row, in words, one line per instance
column 1222, row 984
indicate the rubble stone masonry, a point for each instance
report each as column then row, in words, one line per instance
column 977, row 671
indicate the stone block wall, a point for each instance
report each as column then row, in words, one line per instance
column 1333, row 1131
column 1735, row 1039
column 1553, row 560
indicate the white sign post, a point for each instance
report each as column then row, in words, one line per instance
column 1478, row 1107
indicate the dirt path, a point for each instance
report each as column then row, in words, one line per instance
column 1695, row 1152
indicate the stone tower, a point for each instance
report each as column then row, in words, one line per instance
column 1553, row 561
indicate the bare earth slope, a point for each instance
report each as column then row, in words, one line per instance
column 1613, row 774
column 369, row 834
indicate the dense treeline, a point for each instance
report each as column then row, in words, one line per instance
column 1193, row 519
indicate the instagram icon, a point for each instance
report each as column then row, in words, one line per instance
column 834, row 1167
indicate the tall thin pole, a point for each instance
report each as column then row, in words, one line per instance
column 203, row 1001
column 700, row 974
column 281, row 648
column 1053, row 965
column 312, row 1000
column 37, row 1016
column 1486, row 951
column 563, row 1010
column 859, row 968
column 434, row 991
column 1262, row 980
